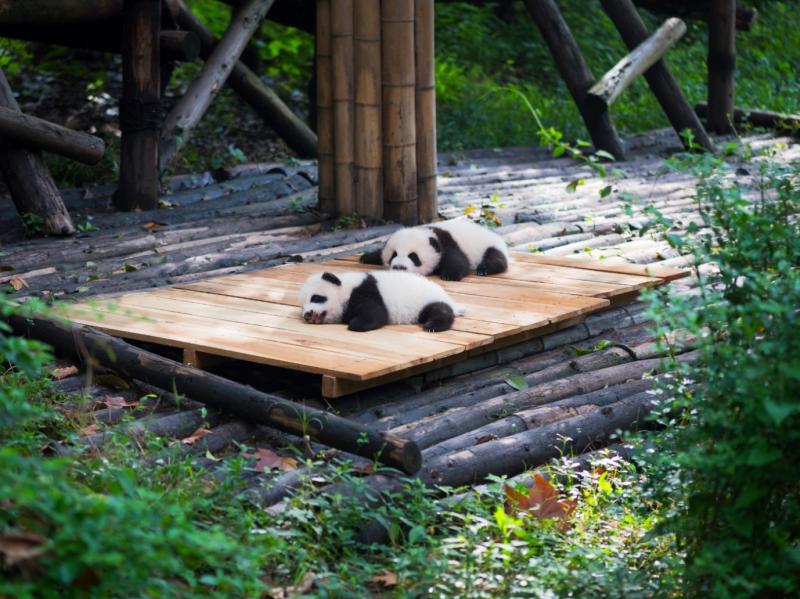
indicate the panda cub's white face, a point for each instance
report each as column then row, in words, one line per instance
column 323, row 298
column 412, row 250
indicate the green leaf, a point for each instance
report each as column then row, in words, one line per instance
column 779, row 412
column 517, row 382
column 605, row 192
column 129, row 268
column 604, row 154
column 573, row 185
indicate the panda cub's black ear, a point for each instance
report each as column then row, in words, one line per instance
column 435, row 244
column 331, row 278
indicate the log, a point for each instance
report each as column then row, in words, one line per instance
column 399, row 113
column 186, row 114
column 220, row 393
column 140, row 106
column 575, row 73
column 343, row 113
column 249, row 87
column 721, row 65
column 531, row 448
column 29, row 180
column 663, row 85
column 779, row 121
column 61, row 13
column 641, row 58
column 698, row 9
column 425, row 111
column 327, row 174
column 44, row 135
column 368, row 128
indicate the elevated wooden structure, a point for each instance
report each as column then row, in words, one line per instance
column 255, row 317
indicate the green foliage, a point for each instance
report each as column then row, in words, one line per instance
column 729, row 468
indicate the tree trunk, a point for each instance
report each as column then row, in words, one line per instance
column 641, row 58
column 220, row 393
column 28, row 178
column 721, row 64
column 186, row 114
column 697, row 9
column 663, row 85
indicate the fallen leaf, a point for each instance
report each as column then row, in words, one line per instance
column 300, row 589
column 195, row 436
column 17, row 282
column 485, row 439
column 541, row 501
column 153, row 225
column 517, row 382
column 117, row 401
column 62, row 373
column 386, row 578
column 267, row 460
column 18, row 547
column 112, row 380
column 89, row 430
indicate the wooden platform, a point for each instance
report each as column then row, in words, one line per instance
column 255, row 317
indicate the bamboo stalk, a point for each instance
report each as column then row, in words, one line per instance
column 399, row 120
column 327, row 178
column 343, row 120
column 368, row 130
column 721, row 64
column 425, row 111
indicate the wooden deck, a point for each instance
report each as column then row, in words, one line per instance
column 255, row 317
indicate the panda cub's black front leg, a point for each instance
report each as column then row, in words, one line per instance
column 368, row 317
column 373, row 257
column 494, row 261
column 454, row 265
column 436, row 316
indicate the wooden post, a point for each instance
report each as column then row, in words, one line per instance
column 327, row 177
column 641, row 58
column 249, row 87
column 427, row 208
column 42, row 134
column 721, row 64
column 399, row 119
column 664, row 86
column 139, row 110
column 186, row 114
column 29, row 181
column 343, row 117
column 697, row 9
column 575, row 73
column 368, row 135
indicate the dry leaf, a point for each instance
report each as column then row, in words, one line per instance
column 485, row 439
column 386, row 578
column 267, row 460
column 301, row 589
column 541, row 501
column 62, row 373
column 195, row 436
column 117, row 401
column 17, row 282
column 17, row 547
column 153, row 225
column 89, row 430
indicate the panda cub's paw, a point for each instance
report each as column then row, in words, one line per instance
column 494, row 261
column 436, row 317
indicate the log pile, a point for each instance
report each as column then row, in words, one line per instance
column 376, row 109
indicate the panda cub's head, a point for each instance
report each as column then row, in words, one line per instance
column 414, row 250
column 323, row 298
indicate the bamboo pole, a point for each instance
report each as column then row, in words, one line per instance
column 425, row 111
column 575, row 73
column 663, row 85
column 721, row 64
column 368, row 131
column 641, row 58
column 343, row 119
column 399, row 120
column 327, row 178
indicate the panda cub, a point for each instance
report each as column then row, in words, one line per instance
column 367, row 301
column 452, row 249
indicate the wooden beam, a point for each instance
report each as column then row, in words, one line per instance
column 760, row 118
column 29, row 180
column 139, row 110
column 663, row 85
column 186, row 114
column 697, row 9
column 641, row 58
column 61, row 13
column 575, row 73
column 44, row 135
column 721, row 64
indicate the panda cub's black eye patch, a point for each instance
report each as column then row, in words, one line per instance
column 394, row 255
column 414, row 258
column 318, row 299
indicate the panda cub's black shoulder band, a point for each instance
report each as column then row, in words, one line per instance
column 454, row 264
column 366, row 310
column 331, row 278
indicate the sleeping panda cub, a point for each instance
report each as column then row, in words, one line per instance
column 366, row 301
column 452, row 249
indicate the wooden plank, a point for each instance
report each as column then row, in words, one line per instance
column 660, row 272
